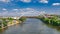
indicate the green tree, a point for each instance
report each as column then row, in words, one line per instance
column 22, row 18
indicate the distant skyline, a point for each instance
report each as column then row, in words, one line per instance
column 16, row 7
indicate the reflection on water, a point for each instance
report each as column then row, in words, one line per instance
column 30, row 26
column 54, row 27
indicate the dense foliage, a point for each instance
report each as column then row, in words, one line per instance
column 22, row 18
column 5, row 21
column 53, row 20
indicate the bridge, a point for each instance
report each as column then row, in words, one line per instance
column 22, row 15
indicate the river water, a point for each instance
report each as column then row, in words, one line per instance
column 30, row 26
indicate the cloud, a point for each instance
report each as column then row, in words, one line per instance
column 43, row 1
column 4, row 9
column 56, row 4
column 15, row 9
column 6, row 0
column 30, row 12
column 19, row 12
column 26, row 1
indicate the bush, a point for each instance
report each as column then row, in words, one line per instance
column 4, row 22
column 10, row 19
column 53, row 20
column 22, row 18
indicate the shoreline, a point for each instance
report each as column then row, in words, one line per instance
column 10, row 25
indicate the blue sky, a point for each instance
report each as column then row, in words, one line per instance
column 16, row 7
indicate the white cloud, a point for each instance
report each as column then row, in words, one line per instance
column 4, row 9
column 19, row 12
column 15, row 9
column 6, row 0
column 43, row 1
column 56, row 4
column 27, row 1
column 29, row 12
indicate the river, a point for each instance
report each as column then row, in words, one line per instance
column 30, row 26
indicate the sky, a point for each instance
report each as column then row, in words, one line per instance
column 29, row 7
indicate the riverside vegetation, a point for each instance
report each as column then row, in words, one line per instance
column 4, row 21
column 55, row 20
column 22, row 19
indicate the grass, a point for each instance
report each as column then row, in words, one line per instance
column 53, row 20
column 22, row 19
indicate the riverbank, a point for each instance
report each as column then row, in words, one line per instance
column 30, row 26
column 6, row 22
column 13, row 23
column 54, row 20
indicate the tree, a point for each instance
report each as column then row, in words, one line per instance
column 22, row 18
